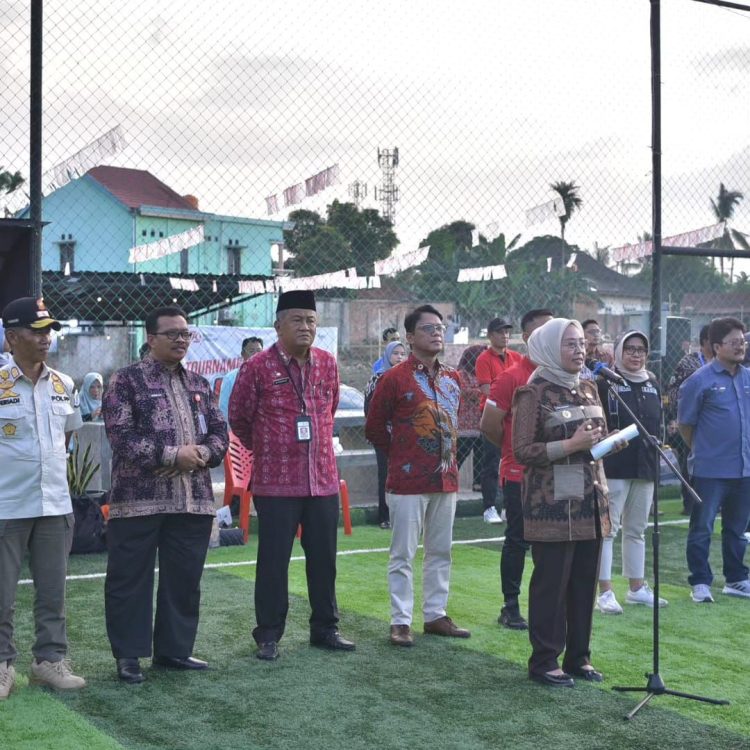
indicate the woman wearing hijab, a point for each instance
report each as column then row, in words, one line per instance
column 91, row 397
column 470, row 412
column 557, row 418
column 630, row 473
column 394, row 354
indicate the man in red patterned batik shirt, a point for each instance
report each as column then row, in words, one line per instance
column 413, row 419
column 282, row 408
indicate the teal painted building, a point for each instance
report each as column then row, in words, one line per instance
column 93, row 222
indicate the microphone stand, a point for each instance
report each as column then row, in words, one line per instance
column 654, row 683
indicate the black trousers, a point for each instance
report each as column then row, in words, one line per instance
column 383, row 512
column 278, row 518
column 181, row 540
column 561, row 603
column 513, row 555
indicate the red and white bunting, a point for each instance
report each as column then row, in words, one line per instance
column 686, row 239
column 167, row 245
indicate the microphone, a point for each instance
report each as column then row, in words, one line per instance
column 601, row 369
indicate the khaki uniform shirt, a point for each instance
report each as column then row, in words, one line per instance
column 33, row 457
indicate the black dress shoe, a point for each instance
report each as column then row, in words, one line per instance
column 553, row 680
column 332, row 641
column 175, row 662
column 129, row 670
column 268, row 651
column 511, row 619
column 587, row 674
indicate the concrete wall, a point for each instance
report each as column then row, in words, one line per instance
column 103, row 352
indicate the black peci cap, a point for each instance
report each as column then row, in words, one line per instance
column 300, row 299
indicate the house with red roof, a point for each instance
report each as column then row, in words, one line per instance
column 115, row 219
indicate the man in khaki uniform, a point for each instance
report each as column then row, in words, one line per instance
column 38, row 411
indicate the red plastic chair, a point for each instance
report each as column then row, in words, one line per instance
column 345, row 510
column 238, row 468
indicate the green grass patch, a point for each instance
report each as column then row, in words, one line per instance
column 441, row 693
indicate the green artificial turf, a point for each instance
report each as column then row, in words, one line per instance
column 441, row 693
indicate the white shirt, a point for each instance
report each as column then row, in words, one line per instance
column 33, row 458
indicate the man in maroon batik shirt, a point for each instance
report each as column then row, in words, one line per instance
column 282, row 408
column 496, row 425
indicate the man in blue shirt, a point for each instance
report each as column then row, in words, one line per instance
column 714, row 421
column 250, row 347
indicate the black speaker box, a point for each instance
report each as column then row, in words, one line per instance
column 15, row 252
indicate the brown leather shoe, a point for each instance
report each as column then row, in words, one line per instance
column 445, row 626
column 401, row 635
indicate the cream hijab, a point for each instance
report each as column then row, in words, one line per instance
column 544, row 351
column 640, row 376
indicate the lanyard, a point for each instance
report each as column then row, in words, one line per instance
column 300, row 393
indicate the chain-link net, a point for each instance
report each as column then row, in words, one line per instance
column 487, row 158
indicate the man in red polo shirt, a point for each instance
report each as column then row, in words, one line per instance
column 497, row 421
column 490, row 363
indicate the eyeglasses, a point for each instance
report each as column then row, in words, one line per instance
column 573, row 346
column 430, row 328
column 637, row 350
column 736, row 343
column 176, row 335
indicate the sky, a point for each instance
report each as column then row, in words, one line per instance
column 488, row 101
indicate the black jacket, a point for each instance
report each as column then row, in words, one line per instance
column 637, row 461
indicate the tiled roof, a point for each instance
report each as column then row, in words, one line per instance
column 137, row 187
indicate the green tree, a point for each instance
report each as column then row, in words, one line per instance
column 10, row 181
column 723, row 209
column 322, row 252
column 370, row 235
column 306, row 224
column 349, row 236
column 530, row 285
column 681, row 274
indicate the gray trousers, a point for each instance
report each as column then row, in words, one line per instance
column 47, row 540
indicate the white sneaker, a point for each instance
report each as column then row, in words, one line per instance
column 644, row 595
column 7, row 679
column 491, row 516
column 747, row 536
column 607, row 604
column 740, row 588
column 56, row 674
column 702, row 593
column 503, row 517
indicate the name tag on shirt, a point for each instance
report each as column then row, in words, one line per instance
column 304, row 429
column 202, row 424
column 281, row 381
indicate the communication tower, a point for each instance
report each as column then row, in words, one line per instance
column 387, row 193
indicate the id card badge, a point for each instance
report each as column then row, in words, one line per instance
column 202, row 424
column 304, row 429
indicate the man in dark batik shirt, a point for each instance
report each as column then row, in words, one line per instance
column 166, row 432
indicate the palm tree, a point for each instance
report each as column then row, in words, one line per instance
column 572, row 202
column 723, row 208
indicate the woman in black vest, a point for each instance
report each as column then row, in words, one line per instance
column 631, row 472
